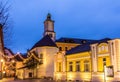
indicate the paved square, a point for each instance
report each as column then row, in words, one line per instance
column 29, row 80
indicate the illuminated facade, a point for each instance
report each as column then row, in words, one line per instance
column 72, row 59
column 89, row 61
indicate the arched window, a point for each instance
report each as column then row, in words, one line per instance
column 103, row 48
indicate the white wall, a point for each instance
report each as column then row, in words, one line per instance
column 47, row 68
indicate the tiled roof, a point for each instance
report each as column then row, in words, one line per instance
column 9, row 50
column 45, row 41
column 74, row 40
column 86, row 47
column 24, row 56
column 78, row 49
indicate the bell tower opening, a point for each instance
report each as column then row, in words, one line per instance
column 49, row 27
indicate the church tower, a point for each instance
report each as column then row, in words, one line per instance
column 49, row 27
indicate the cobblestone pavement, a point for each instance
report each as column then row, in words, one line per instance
column 29, row 80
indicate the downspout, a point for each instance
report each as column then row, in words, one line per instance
column 66, row 66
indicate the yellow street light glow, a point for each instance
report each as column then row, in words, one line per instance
column 3, row 71
column 13, row 61
column 1, row 60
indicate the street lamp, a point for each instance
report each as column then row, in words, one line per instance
column 13, row 61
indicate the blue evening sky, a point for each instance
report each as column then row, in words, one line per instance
column 85, row 19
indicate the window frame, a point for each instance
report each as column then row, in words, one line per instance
column 70, row 66
column 86, row 66
column 77, row 66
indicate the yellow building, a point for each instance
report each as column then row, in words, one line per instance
column 73, row 59
column 96, row 60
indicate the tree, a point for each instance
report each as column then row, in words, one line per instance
column 5, row 22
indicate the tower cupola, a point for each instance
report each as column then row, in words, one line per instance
column 49, row 27
column 49, row 16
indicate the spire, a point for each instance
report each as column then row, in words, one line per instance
column 49, row 16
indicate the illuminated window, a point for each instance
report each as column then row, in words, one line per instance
column 59, row 67
column 78, row 66
column 70, row 66
column 86, row 66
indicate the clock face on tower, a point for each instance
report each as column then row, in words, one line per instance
column 50, row 26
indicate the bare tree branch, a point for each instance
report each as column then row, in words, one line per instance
column 5, row 21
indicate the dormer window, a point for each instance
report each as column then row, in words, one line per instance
column 66, row 41
column 83, row 42
column 69, row 41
